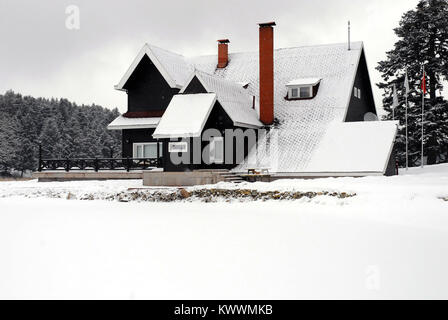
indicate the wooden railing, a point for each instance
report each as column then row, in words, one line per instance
column 98, row 164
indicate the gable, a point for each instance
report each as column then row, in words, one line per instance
column 145, row 71
column 147, row 89
column 365, row 103
column 234, row 99
column 171, row 66
column 195, row 86
column 185, row 116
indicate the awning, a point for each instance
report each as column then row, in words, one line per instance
column 185, row 116
column 303, row 82
column 122, row 123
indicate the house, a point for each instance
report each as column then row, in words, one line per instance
column 301, row 111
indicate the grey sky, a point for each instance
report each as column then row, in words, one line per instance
column 41, row 57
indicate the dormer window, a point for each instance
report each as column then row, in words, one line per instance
column 300, row 89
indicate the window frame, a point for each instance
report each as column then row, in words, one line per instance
column 135, row 146
column 310, row 88
column 294, row 96
column 310, row 92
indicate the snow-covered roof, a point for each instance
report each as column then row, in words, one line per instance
column 233, row 98
column 355, row 147
column 185, row 116
column 172, row 66
column 122, row 123
column 304, row 82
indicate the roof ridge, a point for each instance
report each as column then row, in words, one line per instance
column 188, row 58
column 165, row 50
column 221, row 79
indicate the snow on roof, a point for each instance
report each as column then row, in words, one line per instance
column 185, row 116
column 302, row 123
column 172, row 66
column 243, row 83
column 355, row 147
column 304, row 82
column 233, row 98
column 175, row 64
column 122, row 123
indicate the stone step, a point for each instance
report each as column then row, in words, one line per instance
column 234, row 179
column 212, row 170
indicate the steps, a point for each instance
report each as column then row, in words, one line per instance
column 224, row 174
column 231, row 177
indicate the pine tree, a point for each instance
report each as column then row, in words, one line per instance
column 62, row 128
column 9, row 141
column 423, row 39
column 50, row 139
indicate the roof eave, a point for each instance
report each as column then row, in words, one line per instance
column 126, row 127
column 247, row 125
column 176, row 136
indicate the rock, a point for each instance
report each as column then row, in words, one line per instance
column 184, row 194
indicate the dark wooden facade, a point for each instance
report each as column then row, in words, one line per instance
column 219, row 120
column 131, row 136
column 147, row 89
column 359, row 107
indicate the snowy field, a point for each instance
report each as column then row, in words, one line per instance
column 389, row 241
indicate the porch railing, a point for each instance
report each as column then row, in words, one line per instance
column 98, row 164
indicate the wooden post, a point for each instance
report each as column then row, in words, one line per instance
column 67, row 165
column 158, row 154
column 96, row 165
column 40, row 158
column 111, row 162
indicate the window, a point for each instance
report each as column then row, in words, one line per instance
column 303, row 88
column 146, row 150
column 178, row 147
column 217, row 150
column 306, row 92
column 357, row 92
column 294, row 93
column 301, row 92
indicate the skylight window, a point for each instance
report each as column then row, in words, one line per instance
column 303, row 88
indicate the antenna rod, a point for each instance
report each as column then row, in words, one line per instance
column 349, row 35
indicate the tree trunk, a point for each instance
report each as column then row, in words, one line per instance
column 431, row 72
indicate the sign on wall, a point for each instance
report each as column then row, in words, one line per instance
column 177, row 147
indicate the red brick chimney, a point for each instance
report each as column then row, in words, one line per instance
column 267, row 72
column 223, row 53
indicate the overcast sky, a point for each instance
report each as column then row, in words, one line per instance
column 39, row 56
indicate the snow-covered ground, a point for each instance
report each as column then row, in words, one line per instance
column 389, row 241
